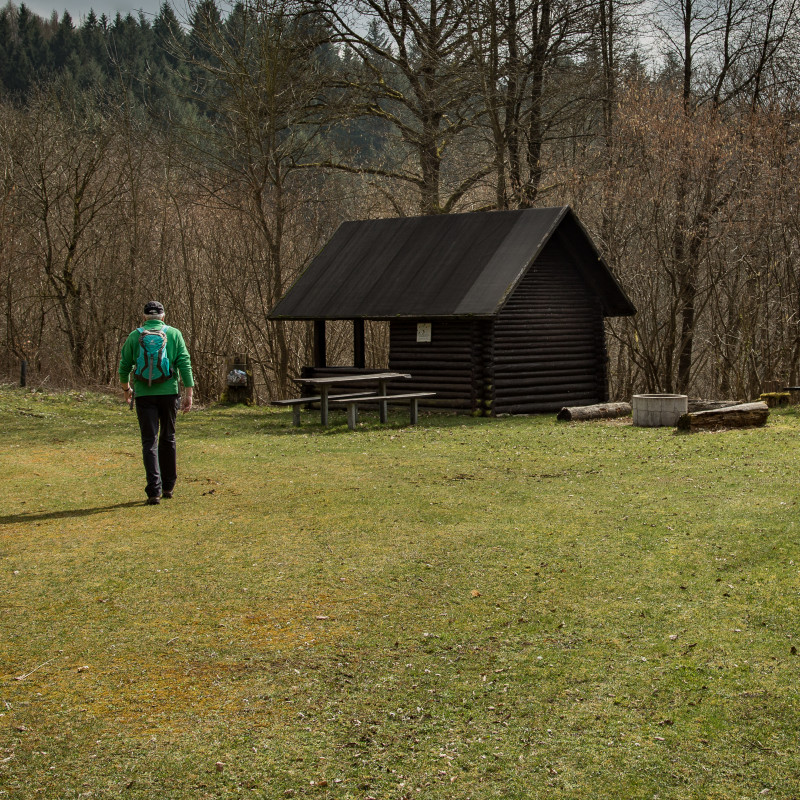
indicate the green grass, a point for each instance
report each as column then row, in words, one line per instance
column 511, row 608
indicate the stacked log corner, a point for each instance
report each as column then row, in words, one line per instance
column 744, row 415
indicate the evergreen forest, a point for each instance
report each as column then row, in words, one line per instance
column 203, row 158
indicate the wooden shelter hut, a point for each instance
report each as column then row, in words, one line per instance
column 497, row 312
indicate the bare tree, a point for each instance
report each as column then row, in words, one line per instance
column 408, row 67
column 261, row 78
column 725, row 49
column 526, row 57
column 66, row 183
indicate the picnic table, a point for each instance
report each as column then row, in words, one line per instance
column 324, row 384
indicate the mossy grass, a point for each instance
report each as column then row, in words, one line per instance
column 468, row 608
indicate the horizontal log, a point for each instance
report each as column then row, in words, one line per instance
column 566, row 390
column 547, row 316
column 559, row 399
column 536, row 348
column 566, row 375
column 441, row 393
column 526, row 335
column 525, row 344
column 535, row 362
column 551, row 351
column 539, row 325
column 545, row 379
column 710, row 405
column 435, row 369
column 444, row 402
column 430, row 361
column 430, row 350
column 744, row 415
column 543, row 407
column 598, row 411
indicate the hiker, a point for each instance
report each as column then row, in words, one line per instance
column 155, row 355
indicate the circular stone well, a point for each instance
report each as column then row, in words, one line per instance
column 658, row 410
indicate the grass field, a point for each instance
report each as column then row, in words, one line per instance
column 470, row 608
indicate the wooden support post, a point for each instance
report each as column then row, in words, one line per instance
column 359, row 345
column 23, row 373
column 320, row 347
column 414, row 410
column 352, row 416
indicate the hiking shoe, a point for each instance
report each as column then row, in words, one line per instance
column 167, row 495
column 153, row 501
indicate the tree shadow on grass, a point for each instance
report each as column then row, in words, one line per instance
column 42, row 516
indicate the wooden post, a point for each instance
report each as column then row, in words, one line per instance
column 359, row 345
column 352, row 416
column 23, row 373
column 323, row 413
column 320, row 349
column 383, row 405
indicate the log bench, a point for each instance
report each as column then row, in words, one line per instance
column 383, row 401
column 296, row 403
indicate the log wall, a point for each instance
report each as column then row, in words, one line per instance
column 452, row 364
column 544, row 351
column 548, row 345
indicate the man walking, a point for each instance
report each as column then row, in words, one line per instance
column 154, row 355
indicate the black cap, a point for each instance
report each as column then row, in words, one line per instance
column 153, row 307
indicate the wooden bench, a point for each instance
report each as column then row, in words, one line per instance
column 297, row 402
column 383, row 400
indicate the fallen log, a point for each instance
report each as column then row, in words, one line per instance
column 599, row 411
column 744, row 415
column 697, row 404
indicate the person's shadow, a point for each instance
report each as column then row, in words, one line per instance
column 41, row 516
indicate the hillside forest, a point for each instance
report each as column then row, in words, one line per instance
column 203, row 160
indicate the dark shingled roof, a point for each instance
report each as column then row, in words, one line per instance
column 449, row 265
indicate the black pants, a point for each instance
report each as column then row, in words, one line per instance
column 156, row 414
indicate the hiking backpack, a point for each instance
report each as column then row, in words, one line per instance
column 152, row 363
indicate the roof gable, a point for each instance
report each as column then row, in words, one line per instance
column 451, row 265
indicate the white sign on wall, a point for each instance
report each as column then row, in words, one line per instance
column 423, row 331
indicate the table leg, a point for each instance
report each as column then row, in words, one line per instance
column 414, row 411
column 383, row 405
column 323, row 404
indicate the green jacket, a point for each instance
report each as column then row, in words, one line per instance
column 178, row 356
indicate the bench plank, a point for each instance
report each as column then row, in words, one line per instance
column 296, row 402
column 384, row 400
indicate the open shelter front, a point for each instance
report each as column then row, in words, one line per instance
column 496, row 312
